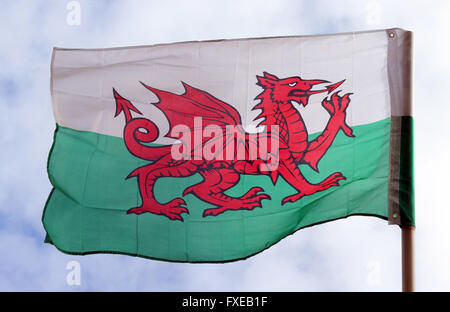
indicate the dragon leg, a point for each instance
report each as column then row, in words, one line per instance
column 147, row 176
column 212, row 188
column 336, row 107
column 291, row 173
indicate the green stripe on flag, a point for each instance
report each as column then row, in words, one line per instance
column 86, row 211
column 406, row 179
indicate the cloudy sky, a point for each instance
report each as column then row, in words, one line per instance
column 355, row 254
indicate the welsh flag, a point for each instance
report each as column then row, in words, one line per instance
column 213, row 151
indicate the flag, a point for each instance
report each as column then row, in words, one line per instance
column 212, row 151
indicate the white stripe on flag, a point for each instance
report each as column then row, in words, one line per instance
column 82, row 80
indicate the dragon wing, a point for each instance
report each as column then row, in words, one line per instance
column 183, row 109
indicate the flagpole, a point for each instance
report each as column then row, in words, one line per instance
column 408, row 260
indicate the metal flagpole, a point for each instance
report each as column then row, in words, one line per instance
column 408, row 261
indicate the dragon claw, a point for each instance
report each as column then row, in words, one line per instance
column 252, row 192
column 292, row 198
column 137, row 211
column 171, row 210
column 257, row 189
column 263, row 196
column 336, row 107
column 248, row 203
column 176, row 202
column 332, row 180
column 211, row 212
column 188, row 190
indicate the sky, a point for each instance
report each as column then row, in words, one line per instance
column 354, row 254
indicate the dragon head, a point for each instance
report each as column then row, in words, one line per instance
column 292, row 89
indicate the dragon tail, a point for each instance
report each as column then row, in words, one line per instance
column 139, row 131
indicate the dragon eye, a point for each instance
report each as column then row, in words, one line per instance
column 292, row 84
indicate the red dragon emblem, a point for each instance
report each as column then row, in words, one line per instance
column 222, row 173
